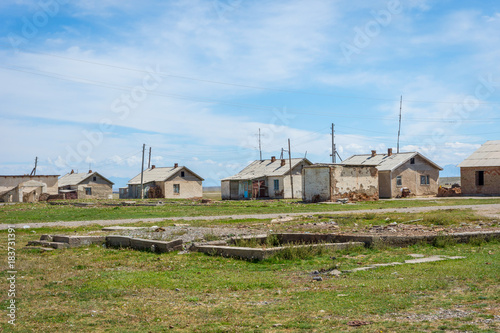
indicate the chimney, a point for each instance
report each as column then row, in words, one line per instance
column 273, row 159
column 153, row 166
column 389, row 152
column 283, row 162
column 90, row 171
column 374, row 153
column 176, row 165
column 72, row 171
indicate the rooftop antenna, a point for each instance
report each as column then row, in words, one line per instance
column 33, row 172
column 149, row 162
column 400, row 108
column 260, row 147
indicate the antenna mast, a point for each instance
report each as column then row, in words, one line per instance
column 334, row 149
column 33, row 172
column 260, row 148
column 400, row 108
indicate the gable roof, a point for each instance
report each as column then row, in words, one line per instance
column 71, row 179
column 159, row 175
column 266, row 168
column 384, row 162
column 485, row 156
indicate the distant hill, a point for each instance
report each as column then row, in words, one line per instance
column 450, row 170
column 211, row 189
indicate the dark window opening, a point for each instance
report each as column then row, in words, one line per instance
column 412, row 160
column 182, row 173
column 94, row 179
column 479, row 178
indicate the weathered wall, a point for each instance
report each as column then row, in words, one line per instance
column 297, row 182
column 190, row 186
column 410, row 175
column 384, row 184
column 491, row 180
column 50, row 181
column 279, row 194
column 354, row 182
column 225, row 189
column 316, row 184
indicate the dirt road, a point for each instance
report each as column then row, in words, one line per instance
column 488, row 210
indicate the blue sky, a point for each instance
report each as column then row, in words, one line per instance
column 89, row 82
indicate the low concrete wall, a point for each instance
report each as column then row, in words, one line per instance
column 251, row 253
column 144, row 244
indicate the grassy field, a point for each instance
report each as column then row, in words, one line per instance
column 44, row 212
column 94, row 289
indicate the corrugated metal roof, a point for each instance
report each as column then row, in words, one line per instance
column 266, row 168
column 384, row 162
column 71, row 179
column 487, row 155
column 158, row 175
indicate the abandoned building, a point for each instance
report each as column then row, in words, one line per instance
column 401, row 171
column 26, row 188
column 480, row 172
column 90, row 185
column 330, row 182
column 266, row 179
column 177, row 182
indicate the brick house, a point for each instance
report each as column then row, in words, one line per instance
column 480, row 172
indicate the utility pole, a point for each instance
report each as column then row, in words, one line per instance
column 260, row 148
column 33, row 172
column 290, row 162
column 149, row 162
column 399, row 130
column 142, row 171
column 334, row 149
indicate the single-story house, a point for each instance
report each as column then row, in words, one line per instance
column 329, row 182
column 27, row 188
column 266, row 179
column 89, row 185
column 398, row 171
column 177, row 182
column 480, row 172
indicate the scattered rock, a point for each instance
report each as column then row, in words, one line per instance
column 277, row 325
column 317, row 278
column 357, row 323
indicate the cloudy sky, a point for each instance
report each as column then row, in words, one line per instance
column 89, row 82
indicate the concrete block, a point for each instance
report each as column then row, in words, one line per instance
column 54, row 245
column 155, row 245
column 117, row 241
column 75, row 241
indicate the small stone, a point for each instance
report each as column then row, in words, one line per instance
column 277, row 325
column 177, row 289
column 315, row 272
column 317, row 278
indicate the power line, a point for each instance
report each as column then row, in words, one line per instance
column 185, row 77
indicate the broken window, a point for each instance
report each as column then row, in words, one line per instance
column 412, row 160
column 182, row 174
column 94, row 179
column 425, row 180
column 399, row 181
column 177, row 188
column 276, row 185
column 88, row 191
column 479, row 178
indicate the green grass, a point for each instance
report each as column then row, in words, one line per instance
column 44, row 212
column 94, row 289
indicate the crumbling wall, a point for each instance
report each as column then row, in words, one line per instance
column 357, row 183
column 316, row 184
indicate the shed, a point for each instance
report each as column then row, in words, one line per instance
column 480, row 172
column 89, row 185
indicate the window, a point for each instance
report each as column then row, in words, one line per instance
column 88, row 191
column 276, row 184
column 412, row 160
column 94, row 179
column 182, row 174
column 177, row 188
column 425, row 180
column 479, row 178
column 399, row 181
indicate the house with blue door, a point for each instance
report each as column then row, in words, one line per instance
column 271, row 179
